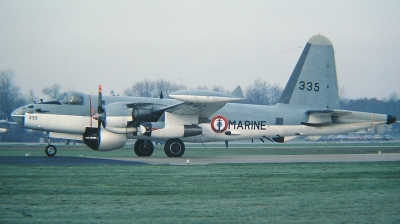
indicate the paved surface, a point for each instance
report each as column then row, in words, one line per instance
column 265, row 159
column 200, row 160
column 60, row 160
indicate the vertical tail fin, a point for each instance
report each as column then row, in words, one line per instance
column 313, row 83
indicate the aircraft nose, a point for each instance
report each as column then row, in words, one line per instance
column 18, row 116
column 390, row 119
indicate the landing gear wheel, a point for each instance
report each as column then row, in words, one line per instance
column 50, row 150
column 144, row 148
column 174, row 148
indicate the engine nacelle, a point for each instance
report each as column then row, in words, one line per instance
column 122, row 118
column 140, row 115
column 103, row 140
column 118, row 115
column 168, row 131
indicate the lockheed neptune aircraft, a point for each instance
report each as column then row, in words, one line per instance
column 309, row 106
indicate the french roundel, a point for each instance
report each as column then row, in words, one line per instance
column 219, row 124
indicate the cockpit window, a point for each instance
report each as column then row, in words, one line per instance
column 63, row 98
column 72, row 99
column 76, row 99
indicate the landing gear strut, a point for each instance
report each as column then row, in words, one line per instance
column 144, row 148
column 174, row 148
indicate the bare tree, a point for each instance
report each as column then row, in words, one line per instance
column 393, row 97
column 202, row 87
column 274, row 93
column 163, row 86
column 53, row 91
column 167, row 87
column 149, row 88
column 257, row 93
column 141, row 88
column 129, row 91
column 218, row 88
column 32, row 96
column 145, row 88
column 10, row 96
column 342, row 92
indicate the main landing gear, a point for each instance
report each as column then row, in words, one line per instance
column 144, row 148
column 172, row 148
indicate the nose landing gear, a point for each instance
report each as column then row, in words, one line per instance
column 50, row 150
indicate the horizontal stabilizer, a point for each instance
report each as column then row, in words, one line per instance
column 337, row 113
column 322, row 118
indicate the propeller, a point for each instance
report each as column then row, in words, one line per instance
column 101, row 112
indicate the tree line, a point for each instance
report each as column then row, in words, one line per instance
column 259, row 92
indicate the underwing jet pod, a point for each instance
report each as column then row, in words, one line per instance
column 309, row 106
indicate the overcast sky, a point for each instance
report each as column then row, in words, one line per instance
column 80, row 44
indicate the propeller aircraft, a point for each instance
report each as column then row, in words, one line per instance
column 309, row 106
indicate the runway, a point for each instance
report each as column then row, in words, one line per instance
column 198, row 160
column 61, row 161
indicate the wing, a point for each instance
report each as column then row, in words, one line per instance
column 203, row 103
column 203, row 110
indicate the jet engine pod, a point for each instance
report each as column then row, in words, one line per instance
column 163, row 131
column 103, row 140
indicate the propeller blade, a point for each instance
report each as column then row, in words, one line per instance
column 100, row 101
column 101, row 113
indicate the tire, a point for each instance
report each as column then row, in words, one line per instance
column 174, row 148
column 50, row 150
column 141, row 150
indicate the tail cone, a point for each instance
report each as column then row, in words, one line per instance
column 390, row 119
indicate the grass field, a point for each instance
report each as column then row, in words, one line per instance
column 231, row 193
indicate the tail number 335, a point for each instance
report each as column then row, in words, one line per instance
column 309, row 86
